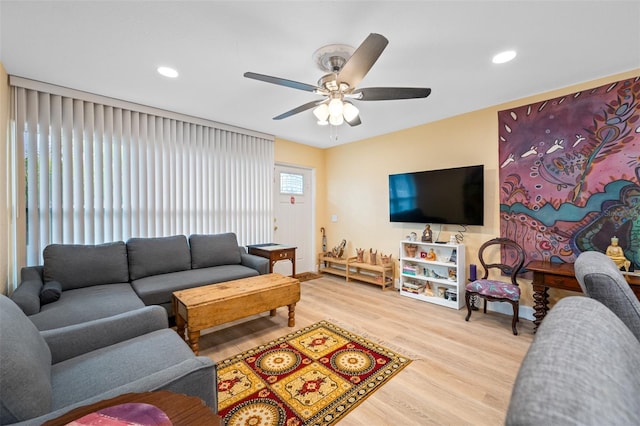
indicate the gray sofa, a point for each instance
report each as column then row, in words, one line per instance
column 583, row 368
column 44, row 374
column 79, row 283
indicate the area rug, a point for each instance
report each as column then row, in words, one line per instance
column 313, row 376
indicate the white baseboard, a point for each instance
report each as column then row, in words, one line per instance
column 525, row 312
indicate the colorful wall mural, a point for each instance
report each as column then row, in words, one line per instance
column 570, row 173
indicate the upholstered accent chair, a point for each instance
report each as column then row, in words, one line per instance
column 601, row 279
column 496, row 290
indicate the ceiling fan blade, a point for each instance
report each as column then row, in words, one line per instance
column 355, row 122
column 362, row 59
column 282, row 82
column 299, row 109
column 390, row 93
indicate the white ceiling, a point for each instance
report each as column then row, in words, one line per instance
column 113, row 48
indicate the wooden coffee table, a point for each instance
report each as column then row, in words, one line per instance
column 207, row 306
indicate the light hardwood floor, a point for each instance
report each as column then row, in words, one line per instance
column 462, row 372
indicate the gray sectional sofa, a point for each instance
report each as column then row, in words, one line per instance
column 79, row 283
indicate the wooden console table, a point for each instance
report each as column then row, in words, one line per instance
column 275, row 252
column 562, row 276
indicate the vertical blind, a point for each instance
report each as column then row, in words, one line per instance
column 97, row 173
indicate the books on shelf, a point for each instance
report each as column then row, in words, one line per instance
column 409, row 269
column 413, row 287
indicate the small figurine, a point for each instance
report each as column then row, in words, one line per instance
column 431, row 255
column 386, row 259
column 338, row 250
column 428, row 291
column 372, row 256
column 427, row 236
column 615, row 253
column 360, row 255
column 452, row 274
column 411, row 250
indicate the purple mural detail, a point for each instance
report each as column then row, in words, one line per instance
column 569, row 172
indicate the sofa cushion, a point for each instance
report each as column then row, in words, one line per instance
column 214, row 250
column 86, row 304
column 76, row 266
column 50, row 292
column 25, row 367
column 153, row 256
column 118, row 365
column 157, row 290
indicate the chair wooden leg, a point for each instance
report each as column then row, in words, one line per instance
column 467, row 299
column 516, row 308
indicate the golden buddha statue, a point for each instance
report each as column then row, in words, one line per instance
column 615, row 253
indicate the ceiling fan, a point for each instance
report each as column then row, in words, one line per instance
column 346, row 67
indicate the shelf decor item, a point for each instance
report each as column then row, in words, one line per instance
column 410, row 250
column 373, row 257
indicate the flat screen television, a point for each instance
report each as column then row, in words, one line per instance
column 447, row 196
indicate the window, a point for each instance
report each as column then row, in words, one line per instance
column 291, row 183
column 97, row 172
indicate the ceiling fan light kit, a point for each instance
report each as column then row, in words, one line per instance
column 346, row 67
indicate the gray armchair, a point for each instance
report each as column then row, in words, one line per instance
column 601, row 279
column 45, row 374
column 583, row 368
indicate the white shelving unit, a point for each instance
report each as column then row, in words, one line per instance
column 440, row 280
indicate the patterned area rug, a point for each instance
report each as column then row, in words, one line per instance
column 313, row 376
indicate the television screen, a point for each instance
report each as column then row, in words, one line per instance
column 447, row 196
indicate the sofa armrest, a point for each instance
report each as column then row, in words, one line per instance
column 29, row 273
column 258, row 263
column 71, row 341
column 27, row 296
column 194, row 377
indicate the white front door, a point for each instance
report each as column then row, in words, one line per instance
column 293, row 216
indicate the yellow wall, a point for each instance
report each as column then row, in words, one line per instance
column 356, row 185
column 4, row 177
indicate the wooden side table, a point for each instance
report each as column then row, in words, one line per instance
column 181, row 409
column 562, row 276
column 275, row 252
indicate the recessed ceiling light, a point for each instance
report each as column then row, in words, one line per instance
column 167, row 72
column 503, row 57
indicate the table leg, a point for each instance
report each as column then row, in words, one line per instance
column 194, row 341
column 272, row 313
column 293, row 265
column 541, row 304
column 180, row 325
column 292, row 315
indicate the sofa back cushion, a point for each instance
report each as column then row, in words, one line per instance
column 76, row 266
column 25, row 367
column 154, row 256
column 214, row 250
